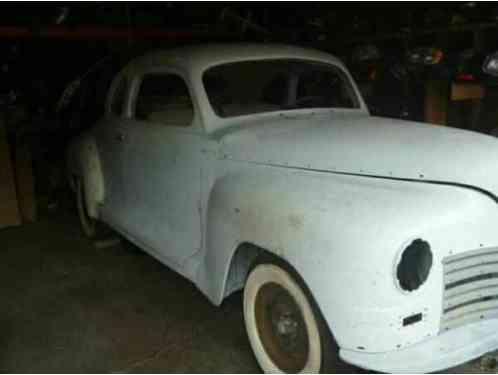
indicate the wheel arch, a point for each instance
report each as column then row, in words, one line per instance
column 240, row 263
column 84, row 162
column 245, row 256
column 248, row 255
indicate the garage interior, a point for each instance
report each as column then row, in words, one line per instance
column 71, row 304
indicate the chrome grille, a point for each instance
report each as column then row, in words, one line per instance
column 470, row 287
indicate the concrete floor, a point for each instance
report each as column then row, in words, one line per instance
column 69, row 307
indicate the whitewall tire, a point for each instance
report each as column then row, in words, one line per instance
column 281, row 323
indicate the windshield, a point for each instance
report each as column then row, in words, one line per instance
column 249, row 87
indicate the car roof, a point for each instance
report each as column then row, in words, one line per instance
column 201, row 57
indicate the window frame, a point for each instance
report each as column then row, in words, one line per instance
column 359, row 104
column 120, row 77
column 136, row 83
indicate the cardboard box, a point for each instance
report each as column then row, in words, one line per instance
column 9, row 209
column 466, row 91
column 436, row 103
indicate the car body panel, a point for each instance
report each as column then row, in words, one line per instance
column 435, row 354
column 337, row 194
column 339, row 230
column 161, row 197
column 357, row 143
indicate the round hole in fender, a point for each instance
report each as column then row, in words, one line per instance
column 415, row 265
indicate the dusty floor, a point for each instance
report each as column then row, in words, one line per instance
column 69, row 307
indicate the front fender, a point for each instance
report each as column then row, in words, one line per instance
column 344, row 235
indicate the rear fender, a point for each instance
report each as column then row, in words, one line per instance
column 84, row 162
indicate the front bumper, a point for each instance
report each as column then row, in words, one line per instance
column 446, row 350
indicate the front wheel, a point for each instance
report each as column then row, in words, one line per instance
column 286, row 332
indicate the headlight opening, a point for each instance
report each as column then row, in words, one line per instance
column 414, row 266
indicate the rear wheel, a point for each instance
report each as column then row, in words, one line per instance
column 88, row 224
column 286, row 331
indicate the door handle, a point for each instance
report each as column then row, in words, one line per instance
column 120, row 137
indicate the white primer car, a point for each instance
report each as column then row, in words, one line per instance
column 258, row 167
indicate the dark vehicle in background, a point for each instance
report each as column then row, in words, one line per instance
column 392, row 81
column 365, row 62
column 447, row 86
column 427, row 63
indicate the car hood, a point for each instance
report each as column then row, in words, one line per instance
column 366, row 145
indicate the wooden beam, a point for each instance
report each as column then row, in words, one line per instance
column 105, row 33
column 408, row 34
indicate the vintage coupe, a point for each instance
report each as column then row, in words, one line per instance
column 258, row 167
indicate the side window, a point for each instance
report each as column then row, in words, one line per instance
column 118, row 97
column 164, row 98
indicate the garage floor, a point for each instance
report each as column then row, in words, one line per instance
column 70, row 307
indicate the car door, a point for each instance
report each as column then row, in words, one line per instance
column 162, row 168
column 109, row 134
